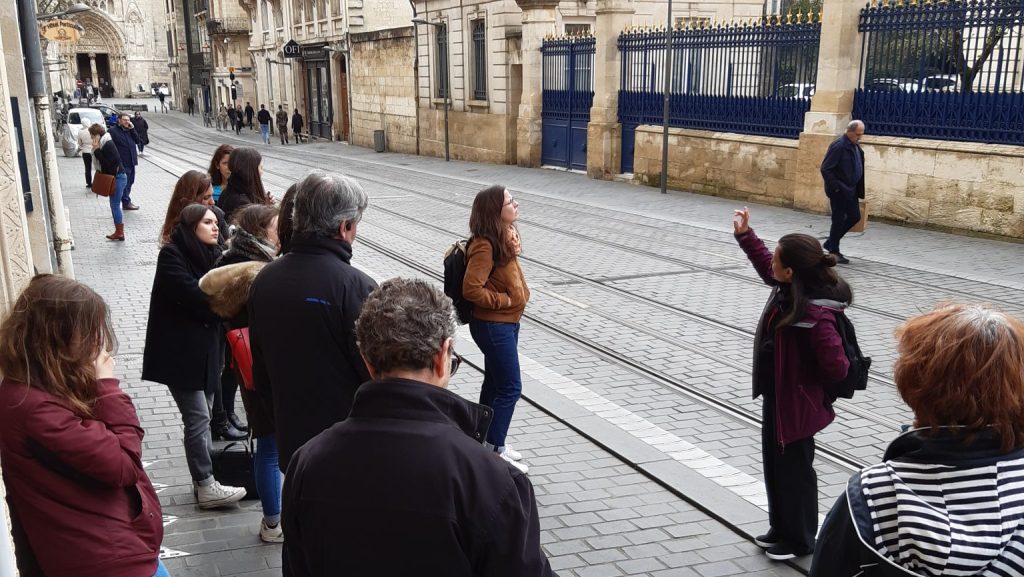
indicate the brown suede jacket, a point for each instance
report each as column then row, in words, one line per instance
column 498, row 291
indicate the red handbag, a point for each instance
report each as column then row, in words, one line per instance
column 241, row 353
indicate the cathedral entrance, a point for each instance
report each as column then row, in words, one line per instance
column 95, row 68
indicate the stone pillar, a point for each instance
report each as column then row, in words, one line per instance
column 92, row 66
column 604, row 133
column 538, row 22
column 832, row 103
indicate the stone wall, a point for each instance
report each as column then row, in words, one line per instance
column 753, row 168
column 476, row 137
column 945, row 185
column 383, row 88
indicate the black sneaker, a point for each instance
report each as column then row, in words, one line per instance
column 840, row 258
column 768, row 540
column 780, row 552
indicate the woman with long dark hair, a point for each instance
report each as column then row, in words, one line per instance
column 797, row 354
column 284, row 220
column 245, row 185
column 253, row 244
column 184, row 343
column 495, row 284
column 71, row 442
column 193, row 187
column 219, row 171
column 109, row 159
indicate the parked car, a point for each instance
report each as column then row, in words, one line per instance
column 891, row 85
column 105, row 110
column 941, row 83
column 798, row 90
column 76, row 118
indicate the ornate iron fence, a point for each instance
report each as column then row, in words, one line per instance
column 950, row 70
column 755, row 77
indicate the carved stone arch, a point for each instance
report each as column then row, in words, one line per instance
column 101, row 36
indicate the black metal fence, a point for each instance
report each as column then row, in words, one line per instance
column 949, row 70
column 749, row 78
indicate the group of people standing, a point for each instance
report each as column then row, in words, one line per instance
column 116, row 152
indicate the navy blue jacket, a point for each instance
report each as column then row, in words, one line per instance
column 127, row 142
column 839, row 167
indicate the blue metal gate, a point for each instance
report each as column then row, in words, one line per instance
column 568, row 82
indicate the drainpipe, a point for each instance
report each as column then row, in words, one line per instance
column 52, row 197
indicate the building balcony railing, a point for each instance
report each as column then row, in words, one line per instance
column 229, row 25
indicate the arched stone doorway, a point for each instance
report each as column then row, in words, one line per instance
column 98, row 56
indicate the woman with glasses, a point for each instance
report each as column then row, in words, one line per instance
column 495, row 284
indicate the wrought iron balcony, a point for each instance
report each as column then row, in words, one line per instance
column 228, row 25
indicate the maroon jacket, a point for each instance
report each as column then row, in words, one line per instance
column 76, row 486
column 808, row 355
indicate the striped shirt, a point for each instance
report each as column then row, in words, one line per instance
column 941, row 520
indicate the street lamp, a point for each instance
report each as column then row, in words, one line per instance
column 76, row 8
column 447, row 80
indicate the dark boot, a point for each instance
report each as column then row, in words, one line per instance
column 118, row 233
column 226, row 432
column 237, row 423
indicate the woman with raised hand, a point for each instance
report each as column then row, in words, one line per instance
column 797, row 354
column 184, row 343
column 245, row 185
column 71, row 442
column 495, row 284
column 946, row 499
column 218, row 170
column 105, row 152
column 253, row 244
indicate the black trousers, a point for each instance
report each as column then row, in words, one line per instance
column 845, row 214
column 791, row 483
column 224, row 396
column 87, row 159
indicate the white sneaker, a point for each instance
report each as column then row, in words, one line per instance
column 271, row 534
column 523, row 468
column 512, row 453
column 216, row 495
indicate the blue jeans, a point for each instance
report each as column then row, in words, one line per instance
column 268, row 477
column 127, row 197
column 845, row 214
column 115, row 199
column 499, row 342
column 161, row 571
column 265, row 133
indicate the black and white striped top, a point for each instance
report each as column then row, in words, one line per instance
column 940, row 520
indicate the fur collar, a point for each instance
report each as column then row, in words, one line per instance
column 228, row 287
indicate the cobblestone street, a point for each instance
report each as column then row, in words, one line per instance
column 637, row 423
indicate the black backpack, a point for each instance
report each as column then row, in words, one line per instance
column 857, row 377
column 455, row 259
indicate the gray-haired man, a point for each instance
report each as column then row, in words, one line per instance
column 842, row 169
column 302, row 313
column 405, row 486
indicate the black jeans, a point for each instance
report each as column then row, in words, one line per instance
column 791, row 483
column 845, row 214
column 224, row 395
column 87, row 159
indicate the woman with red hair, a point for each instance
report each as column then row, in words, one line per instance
column 948, row 497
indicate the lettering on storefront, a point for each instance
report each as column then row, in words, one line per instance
column 292, row 49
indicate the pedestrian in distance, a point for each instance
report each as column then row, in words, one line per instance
column 191, row 106
column 253, row 244
column 263, row 117
column 249, row 113
column 85, row 145
column 232, row 117
column 302, row 313
column 843, row 172
column 245, row 185
column 109, row 159
column 496, row 286
column 127, row 140
column 946, row 498
column 184, row 343
column 296, row 125
column 222, row 118
column 797, row 353
column 71, row 442
column 142, row 128
column 448, row 504
column 239, row 119
column 163, row 100
column 282, row 124
column 193, row 187
column 219, row 169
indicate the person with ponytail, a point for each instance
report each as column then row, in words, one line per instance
column 797, row 353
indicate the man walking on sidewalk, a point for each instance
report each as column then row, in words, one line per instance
column 264, row 119
column 843, row 172
column 127, row 141
column 282, row 124
column 191, row 105
column 249, row 113
column 296, row 125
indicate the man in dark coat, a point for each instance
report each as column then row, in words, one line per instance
column 302, row 310
column 263, row 117
column 414, row 451
column 296, row 125
column 191, row 105
column 843, row 172
column 142, row 129
column 127, row 141
column 249, row 113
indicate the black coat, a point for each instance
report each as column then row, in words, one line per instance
column 296, row 123
column 108, row 158
column 839, row 167
column 408, row 469
column 302, row 313
column 142, row 129
column 232, row 199
column 127, row 141
column 184, row 346
column 263, row 116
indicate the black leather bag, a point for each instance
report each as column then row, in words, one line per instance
column 234, row 466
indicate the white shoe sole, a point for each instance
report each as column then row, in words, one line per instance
column 782, row 557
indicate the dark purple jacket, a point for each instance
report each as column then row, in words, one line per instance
column 808, row 355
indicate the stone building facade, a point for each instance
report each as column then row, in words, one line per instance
column 228, row 24
column 384, row 89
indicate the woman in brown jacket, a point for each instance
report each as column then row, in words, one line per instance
column 495, row 284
